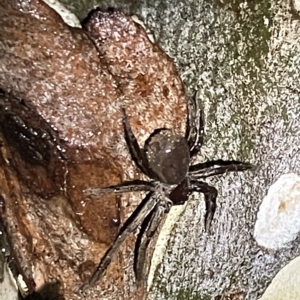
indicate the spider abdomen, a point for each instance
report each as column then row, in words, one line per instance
column 168, row 156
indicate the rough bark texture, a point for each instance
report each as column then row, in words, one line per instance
column 243, row 57
column 61, row 132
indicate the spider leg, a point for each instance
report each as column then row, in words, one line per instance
column 195, row 125
column 210, row 196
column 148, row 228
column 217, row 167
column 124, row 187
column 132, row 223
column 137, row 154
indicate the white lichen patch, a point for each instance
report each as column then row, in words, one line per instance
column 296, row 5
column 278, row 219
column 137, row 20
column 68, row 17
column 22, row 286
column 8, row 288
column 163, row 239
column 286, row 283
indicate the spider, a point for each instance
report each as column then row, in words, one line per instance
column 165, row 159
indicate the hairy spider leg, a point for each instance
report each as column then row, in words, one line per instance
column 124, row 187
column 195, row 125
column 208, row 169
column 210, row 196
column 148, row 229
column 137, row 154
column 217, row 167
column 132, row 223
column 141, row 245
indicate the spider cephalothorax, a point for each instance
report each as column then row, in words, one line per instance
column 165, row 159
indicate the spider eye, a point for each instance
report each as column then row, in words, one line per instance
column 168, row 156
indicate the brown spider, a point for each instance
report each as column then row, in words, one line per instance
column 166, row 160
